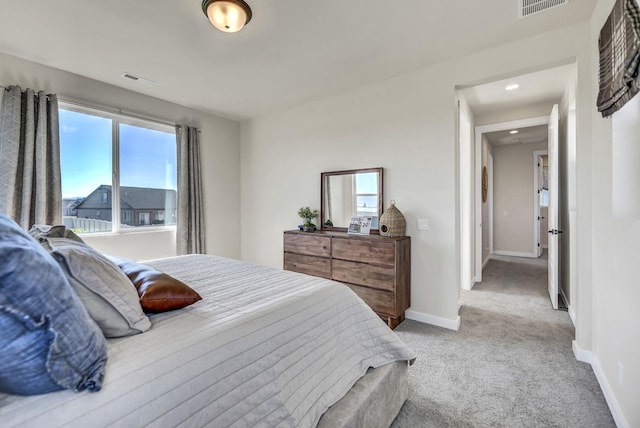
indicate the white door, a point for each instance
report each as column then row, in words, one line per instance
column 464, row 135
column 552, row 221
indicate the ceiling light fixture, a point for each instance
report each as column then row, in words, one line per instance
column 227, row 15
column 515, row 131
column 512, row 87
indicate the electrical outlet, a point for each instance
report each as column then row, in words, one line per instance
column 619, row 373
column 423, row 224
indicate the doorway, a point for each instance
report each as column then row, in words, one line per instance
column 494, row 107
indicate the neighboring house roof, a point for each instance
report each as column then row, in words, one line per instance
column 136, row 198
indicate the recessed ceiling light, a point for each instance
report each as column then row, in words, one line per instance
column 515, row 131
column 512, row 87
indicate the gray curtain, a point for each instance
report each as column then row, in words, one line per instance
column 30, row 190
column 190, row 233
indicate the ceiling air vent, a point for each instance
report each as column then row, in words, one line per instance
column 138, row 79
column 532, row 7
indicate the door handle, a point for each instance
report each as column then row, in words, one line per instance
column 555, row 231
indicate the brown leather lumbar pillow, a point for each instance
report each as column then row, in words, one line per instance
column 158, row 291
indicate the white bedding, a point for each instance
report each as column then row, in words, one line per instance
column 264, row 347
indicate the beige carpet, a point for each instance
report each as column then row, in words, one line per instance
column 509, row 365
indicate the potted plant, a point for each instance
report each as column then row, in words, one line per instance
column 308, row 215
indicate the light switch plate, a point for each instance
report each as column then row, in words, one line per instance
column 423, row 224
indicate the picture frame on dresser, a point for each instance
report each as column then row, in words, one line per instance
column 359, row 226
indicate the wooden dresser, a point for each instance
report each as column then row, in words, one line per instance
column 377, row 268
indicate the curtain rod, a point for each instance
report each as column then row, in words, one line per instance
column 112, row 110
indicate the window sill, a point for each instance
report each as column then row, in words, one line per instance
column 136, row 230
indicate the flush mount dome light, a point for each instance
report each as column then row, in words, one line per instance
column 227, row 15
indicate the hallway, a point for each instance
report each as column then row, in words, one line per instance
column 510, row 364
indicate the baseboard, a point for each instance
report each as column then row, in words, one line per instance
column 469, row 287
column 433, row 320
column 515, row 254
column 580, row 354
column 486, row 261
column 614, row 407
column 572, row 314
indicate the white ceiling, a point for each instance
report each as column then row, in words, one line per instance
column 541, row 88
column 292, row 50
column 530, row 135
column 546, row 86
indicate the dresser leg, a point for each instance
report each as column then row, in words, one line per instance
column 391, row 321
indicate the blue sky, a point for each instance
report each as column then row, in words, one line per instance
column 147, row 157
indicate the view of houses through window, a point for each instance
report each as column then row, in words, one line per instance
column 118, row 173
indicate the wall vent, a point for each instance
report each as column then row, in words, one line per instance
column 532, row 7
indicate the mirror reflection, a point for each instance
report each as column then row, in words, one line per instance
column 352, row 193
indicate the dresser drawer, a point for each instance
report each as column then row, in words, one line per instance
column 378, row 300
column 382, row 277
column 311, row 265
column 313, row 245
column 366, row 250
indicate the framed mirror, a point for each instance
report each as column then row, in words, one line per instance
column 350, row 193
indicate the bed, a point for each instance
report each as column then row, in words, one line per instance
column 264, row 347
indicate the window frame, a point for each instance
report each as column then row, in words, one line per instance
column 354, row 192
column 116, row 120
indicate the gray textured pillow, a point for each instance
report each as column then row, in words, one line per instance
column 106, row 292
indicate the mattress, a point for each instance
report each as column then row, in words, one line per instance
column 264, row 347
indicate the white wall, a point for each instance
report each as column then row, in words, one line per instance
column 615, row 293
column 406, row 125
column 626, row 161
column 220, row 145
column 513, row 192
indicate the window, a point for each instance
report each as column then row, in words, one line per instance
column 118, row 172
column 366, row 196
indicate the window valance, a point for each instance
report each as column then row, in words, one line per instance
column 619, row 47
